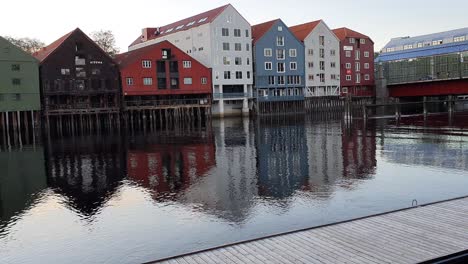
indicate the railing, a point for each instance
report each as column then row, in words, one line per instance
column 280, row 98
column 79, row 91
column 164, row 103
column 78, row 106
column 230, row 95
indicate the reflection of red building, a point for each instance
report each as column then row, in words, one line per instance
column 170, row 167
column 359, row 152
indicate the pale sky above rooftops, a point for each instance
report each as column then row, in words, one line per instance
column 382, row 20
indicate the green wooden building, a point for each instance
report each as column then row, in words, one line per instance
column 19, row 87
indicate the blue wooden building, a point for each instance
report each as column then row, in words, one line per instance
column 278, row 69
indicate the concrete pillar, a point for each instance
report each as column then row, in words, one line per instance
column 221, row 108
column 245, row 107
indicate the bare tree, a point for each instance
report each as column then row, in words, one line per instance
column 30, row 45
column 106, row 40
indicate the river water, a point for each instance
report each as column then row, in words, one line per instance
column 135, row 197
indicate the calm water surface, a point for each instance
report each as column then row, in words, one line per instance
column 143, row 196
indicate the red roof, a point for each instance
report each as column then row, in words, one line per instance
column 42, row 54
column 194, row 21
column 302, row 31
column 259, row 30
column 343, row 33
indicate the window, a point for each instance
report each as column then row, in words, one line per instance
column 322, row 53
column 174, row 83
column 322, row 65
column 237, row 47
column 420, row 45
column 15, row 67
column 280, row 67
column 80, row 60
column 280, row 54
column 366, row 54
column 459, row 39
column 352, row 40
column 248, row 61
column 268, row 66
column 187, row 64
column 190, row 24
column 358, row 77
column 238, row 75
column 227, row 75
column 162, row 83
column 348, row 65
column 293, row 66
column 358, row 66
column 147, row 81
column 237, row 32
column 16, row 81
column 366, row 66
column 390, row 49
column 363, row 41
column 310, row 64
column 367, row 77
column 80, row 72
column 204, row 80
column 202, row 20
column 271, row 80
column 292, row 53
column 224, row 32
column 280, row 41
column 129, row 81
column 358, row 54
column 179, row 27
column 322, row 77
column 322, row 40
column 311, row 77
column 188, row 80
column 310, row 52
column 226, row 61
column 410, row 46
column 166, row 54
column 332, row 64
column 95, row 71
column 281, row 80
column 65, row 71
column 437, row 42
column 248, row 75
column 225, row 46
column 267, row 52
column 238, row 61
column 146, row 64
column 333, row 76
column 348, row 77
column 348, row 54
column 332, row 52
column 247, row 47
column 246, row 33
column 280, row 28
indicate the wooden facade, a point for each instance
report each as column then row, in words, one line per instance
column 162, row 84
column 79, row 83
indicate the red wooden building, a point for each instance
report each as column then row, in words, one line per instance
column 162, row 76
column 357, row 63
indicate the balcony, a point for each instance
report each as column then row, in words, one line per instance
column 218, row 96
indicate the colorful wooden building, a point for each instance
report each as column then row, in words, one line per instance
column 220, row 39
column 161, row 80
column 357, row 63
column 278, row 68
column 19, row 87
column 79, row 84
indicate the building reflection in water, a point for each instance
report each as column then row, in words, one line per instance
column 86, row 170
column 167, row 163
column 22, row 179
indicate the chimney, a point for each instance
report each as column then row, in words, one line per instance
column 145, row 34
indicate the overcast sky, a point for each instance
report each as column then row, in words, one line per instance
column 48, row 20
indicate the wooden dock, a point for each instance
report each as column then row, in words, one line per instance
column 419, row 234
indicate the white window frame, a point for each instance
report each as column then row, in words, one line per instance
column 278, row 54
column 358, row 78
column 348, row 66
column 268, row 66
column 357, row 66
column 280, row 41
column 278, row 67
column 187, row 64
column 366, row 66
column 291, row 66
column 348, row 77
column 366, row 54
column 146, row 64
column 367, row 77
column 363, row 41
column 204, row 80
column 129, row 81
column 292, row 53
column 348, row 54
column 267, row 52
column 147, row 81
column 188, row 81
column 352, row 40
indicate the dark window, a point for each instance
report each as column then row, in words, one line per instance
column 15, row 67
column 95, row 71
column 173, row 66
column 16, row 81
column 162, row 83
column 80, row 85
column 161, row 67
column 80, row 72
column 174, row 83
column 166, row 54
column 78, row 46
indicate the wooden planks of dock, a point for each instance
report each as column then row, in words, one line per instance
column 412, row 235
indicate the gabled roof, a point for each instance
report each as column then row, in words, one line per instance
column 127, row 58
column 20, row 50
column 184, row 24
column 259, row 30
column 42, row 54
column 344, row 33
column 303, row 30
